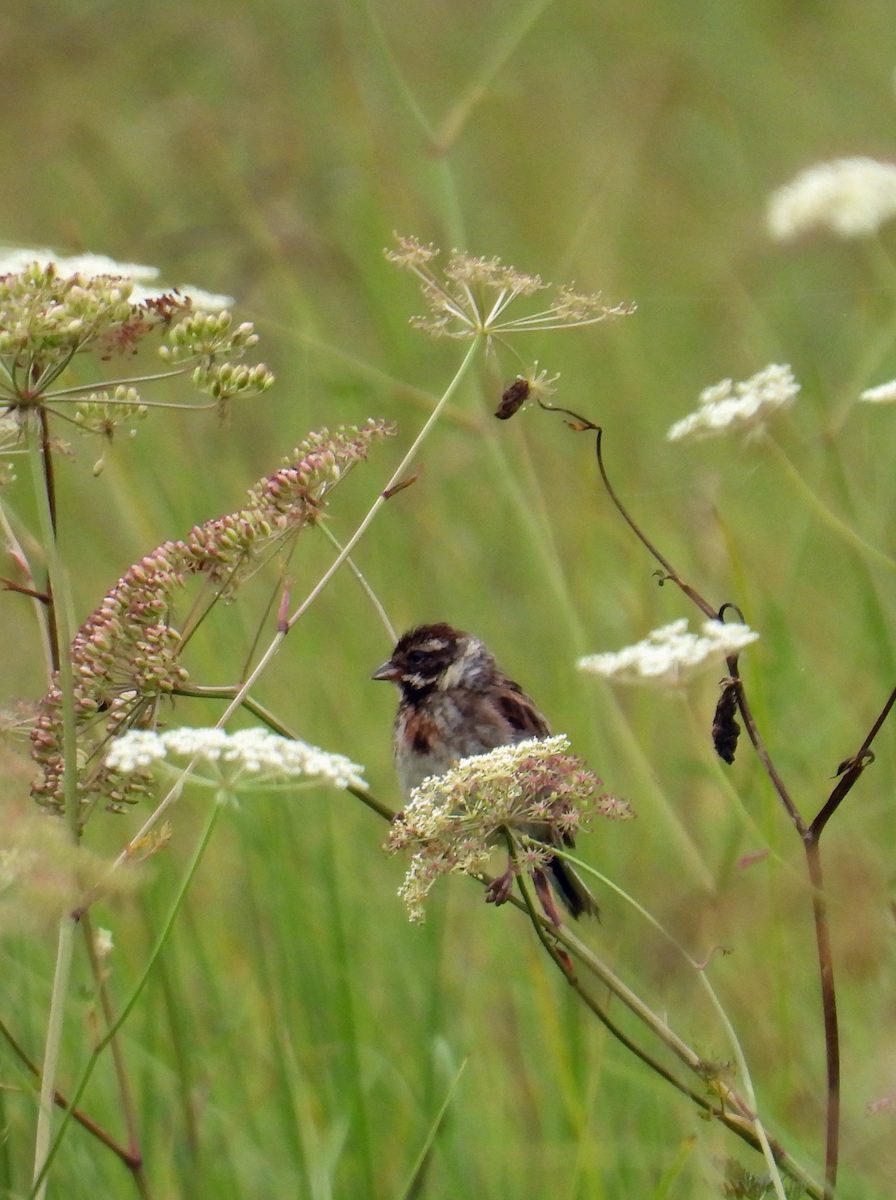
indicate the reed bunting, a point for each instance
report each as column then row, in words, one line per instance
column 455, row 702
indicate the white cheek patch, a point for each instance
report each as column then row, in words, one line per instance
column 459, row 671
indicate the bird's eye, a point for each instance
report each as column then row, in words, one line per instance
column 416, row 658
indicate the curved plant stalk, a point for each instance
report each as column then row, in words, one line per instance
column 60, row 635
column 809, row 834
column 112, row 1030
column 287, row 624
column 743, row 1069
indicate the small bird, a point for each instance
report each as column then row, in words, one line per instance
column 455, row 702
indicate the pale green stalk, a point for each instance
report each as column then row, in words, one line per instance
column 368, row 590
column 40, row 1180
column 830, row 519
column 52, row 1048
column 277, row 640
column 62, row 625
column 717, row 1005
column 416, row 1178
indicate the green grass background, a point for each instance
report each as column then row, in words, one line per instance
column 299, row 1037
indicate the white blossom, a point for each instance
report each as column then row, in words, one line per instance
column 265, row 757
column 13, row 260
column 850, row 197
column 201, row 301
column 884, row 393
column 535, row 788
column 737, row 406
column 670, row 655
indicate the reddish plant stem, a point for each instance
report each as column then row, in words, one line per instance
column 808, row 834
column 50, row 485
column 829, row 1008
column 131, row 1161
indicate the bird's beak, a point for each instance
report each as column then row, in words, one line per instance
column 387, row 671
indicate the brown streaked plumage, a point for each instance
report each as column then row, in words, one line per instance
column 455, row 702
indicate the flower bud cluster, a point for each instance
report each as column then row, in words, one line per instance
column 46, row 318
column 102, row 413
column 126, row 655
column 207, row 335
column 53, row 309
column 472, row 295
column 534, row 790
column 227, row 379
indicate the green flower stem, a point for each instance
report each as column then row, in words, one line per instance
column 40, row 1180
column 277, row 641
column 662, row 1030
column 52, row 1046
column 830, row 519
column 397, row 477
column 128, row 1108
column 368, row 590
column 60, row 628
column 62, row 624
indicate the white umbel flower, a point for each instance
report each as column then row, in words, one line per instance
column 264, row 756
column 670, row 655
column 15, row 259
column 850, row 197
column 535, row 789
column 729, row 406
column 884, row 393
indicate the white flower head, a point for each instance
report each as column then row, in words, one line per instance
column 452, row 821
column 884, row 393
column 850, row 197
column 729, row 406
column 250, row 756
column 669, row 656
column 15, row 259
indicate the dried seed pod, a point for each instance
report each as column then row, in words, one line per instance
column 725, row 730
column 513, row 398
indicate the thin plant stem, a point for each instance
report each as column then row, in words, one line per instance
column 714, row 1001
column 113, row 1029
column 810, row 840
column 837, row 524
column 121, row 1073
column 368, row 590
column 52, row 1047
column 17, row 552
column 278, row 638
column 829, row 1009
column 502, row 48
column 60, row 626
column 60, row 1101
column 418, row 1174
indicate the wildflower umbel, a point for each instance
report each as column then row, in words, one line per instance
column 472, row 295
column 850, row 197
column 256, row 756
column 729, row 407
column 452, row 821
column 884, row 393
column 126, row 657
column 671, row 655
column 53, row 310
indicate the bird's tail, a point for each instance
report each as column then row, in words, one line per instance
column 576, row 897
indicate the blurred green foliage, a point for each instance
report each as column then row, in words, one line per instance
column 299, row 1037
